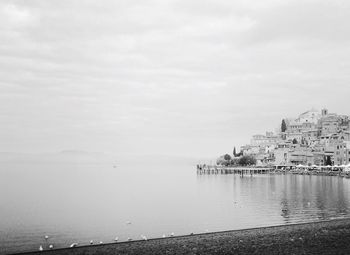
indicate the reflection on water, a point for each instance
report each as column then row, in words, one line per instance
column 76, row 202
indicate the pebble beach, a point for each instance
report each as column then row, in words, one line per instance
column 324, row 237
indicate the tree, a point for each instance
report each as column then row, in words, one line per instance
column 283, row 126
column 234, row 161
column 234, row 151
column 295, row 141
column 239, row 154
column 224, row 160
column 328, row 161
column 247, row 160
column 227, row 157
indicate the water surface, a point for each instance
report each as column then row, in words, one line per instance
column 78, row 202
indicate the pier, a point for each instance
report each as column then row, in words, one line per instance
column 342, row 171
column 207, row 169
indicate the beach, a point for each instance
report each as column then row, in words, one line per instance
column 324, row 237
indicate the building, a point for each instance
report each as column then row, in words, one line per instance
column 301, row 155
column 312, row 138
column 264, row 140
column 282, row 154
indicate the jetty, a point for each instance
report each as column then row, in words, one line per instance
column 209, row 169
column 342, row 171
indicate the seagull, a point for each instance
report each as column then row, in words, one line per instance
column 128, row 222
column 41, row 248
column 51, row 246
column 172, row 234
column 73, row 245
column 101, row 242
column 144, row 237
column 91, row 242
column 164, row 236
column 116, row 239
column 129, row 239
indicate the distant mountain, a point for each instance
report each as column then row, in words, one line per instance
column 65, row 156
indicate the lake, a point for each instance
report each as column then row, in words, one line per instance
column 82, row 201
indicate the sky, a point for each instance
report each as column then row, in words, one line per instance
column 183, row 78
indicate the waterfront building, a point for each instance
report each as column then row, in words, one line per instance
column 282, row 154
column 312, row 138
column 319, row 158
column 302, row 155
column 341, row 149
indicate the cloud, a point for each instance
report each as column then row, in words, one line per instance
column 305, row 22
column 120, row 75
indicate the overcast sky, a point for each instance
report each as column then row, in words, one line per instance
column 165, row 77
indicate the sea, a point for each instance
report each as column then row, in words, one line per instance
column 76, row 200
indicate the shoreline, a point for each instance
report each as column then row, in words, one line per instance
column 320, row 237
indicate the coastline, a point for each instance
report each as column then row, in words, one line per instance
column 322, row 237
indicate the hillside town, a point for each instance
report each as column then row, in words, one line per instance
column 313, row 138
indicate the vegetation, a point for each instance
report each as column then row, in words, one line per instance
column 227, row 160
column 227, row 157
column 283, row 126
column 328, row 161
column 247, row 160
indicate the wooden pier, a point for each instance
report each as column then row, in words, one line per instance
column 207, row 169
column 343, row 171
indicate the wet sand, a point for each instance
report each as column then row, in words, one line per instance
column 326, row 237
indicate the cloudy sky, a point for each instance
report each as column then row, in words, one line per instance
column 171, row 77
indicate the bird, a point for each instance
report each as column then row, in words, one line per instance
column 46, row 237
column 116, row 239
column 164, row 236
column 51, row 246
column 41, row 248
column 128, row 222
column 91, row 242
column 129, row 239
column 172, row 234
column 144, row 237
column 73, row 245
column 101, row 242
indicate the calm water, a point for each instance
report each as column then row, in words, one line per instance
column 79, row 202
